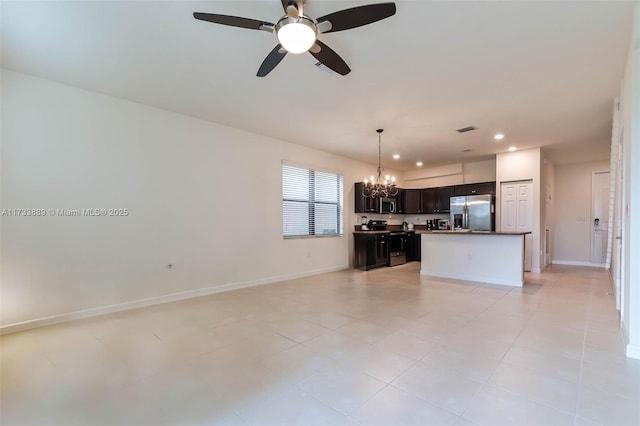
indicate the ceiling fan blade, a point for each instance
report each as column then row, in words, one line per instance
column 233, row 21
column 273, row 58
column 331, row 59
column 358, row 16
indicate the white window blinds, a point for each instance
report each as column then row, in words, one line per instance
column 311, row 202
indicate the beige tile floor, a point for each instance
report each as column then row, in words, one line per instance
column 384, row 347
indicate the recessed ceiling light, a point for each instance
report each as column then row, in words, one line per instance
column 419, row 164
column 396, row 156
column 512, row 148
column 498, row 136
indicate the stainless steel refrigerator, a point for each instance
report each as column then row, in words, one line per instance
column 473, row 212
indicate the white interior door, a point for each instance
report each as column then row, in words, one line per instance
column 516, row 213
column 600, row 216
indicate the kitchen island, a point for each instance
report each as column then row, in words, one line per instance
column 488, row 257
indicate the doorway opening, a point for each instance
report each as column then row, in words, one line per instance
column 600, row 193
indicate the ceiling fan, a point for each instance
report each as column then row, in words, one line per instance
column 298, row 33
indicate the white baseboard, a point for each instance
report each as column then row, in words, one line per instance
column 475, row 278
column 577, row 263
column 535, row 271
column 157, row 300
column 633, row 351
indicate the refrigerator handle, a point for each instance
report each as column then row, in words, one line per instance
column 465, row 217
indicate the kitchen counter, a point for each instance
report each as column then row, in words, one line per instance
column 488, row 257
column 371, row 232
column 467, row 232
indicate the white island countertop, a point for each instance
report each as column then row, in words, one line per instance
column 467, row 232
column 481, row 256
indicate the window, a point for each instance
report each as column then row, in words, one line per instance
column 311, row 202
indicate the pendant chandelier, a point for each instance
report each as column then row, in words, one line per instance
column 380, row 186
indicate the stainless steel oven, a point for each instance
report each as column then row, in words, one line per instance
column 397, row 248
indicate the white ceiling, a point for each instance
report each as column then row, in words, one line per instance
column 543, row 73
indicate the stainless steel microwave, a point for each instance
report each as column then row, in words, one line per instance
column 387, row 205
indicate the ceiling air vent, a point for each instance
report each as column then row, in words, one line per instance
column 466, row 129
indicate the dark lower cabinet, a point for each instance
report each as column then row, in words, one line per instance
column 413, row 249
column 371, row 250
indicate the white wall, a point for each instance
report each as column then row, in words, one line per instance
column 203, row 197
column 573, row 211
column 479, row 171
column 523, row 165
column 452, row 174
column 630, row 124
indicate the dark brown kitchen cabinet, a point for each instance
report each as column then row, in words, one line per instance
column 436, row 200
column 443, row 199
column 371, row 250
column 428, row 198
column 422, row 201
column 414, row 247
column 400, row 202
column 412, row 201
column 475, row 188
column 363, row 204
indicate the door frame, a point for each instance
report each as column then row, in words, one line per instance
column 592, row 216
column 621, row 200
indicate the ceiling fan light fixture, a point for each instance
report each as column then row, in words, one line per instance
column 296, row 35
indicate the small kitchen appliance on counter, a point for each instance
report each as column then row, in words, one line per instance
column 363, row 223
column 377, row 225
column 443, row 224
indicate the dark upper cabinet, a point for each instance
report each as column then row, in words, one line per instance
column 422, row 201
column 436, row 200
column 364, row 204
column 412, row 201
column 443, row 199
column 400, row 202
column 475, row 188
column 486, row 188
column 428, row 197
